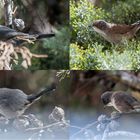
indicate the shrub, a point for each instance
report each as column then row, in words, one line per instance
column 56, row 48
column 95, row 58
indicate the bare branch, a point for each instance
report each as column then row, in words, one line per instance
column 8, row 12
column 126, row 78
column 9, row 54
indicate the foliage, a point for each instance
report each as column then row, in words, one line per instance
column 89, row 50
column 58, row 50
column 95, row 58
column 125, row 12
column 62, row 74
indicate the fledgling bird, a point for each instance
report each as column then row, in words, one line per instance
column 7, row 33
column 115, row 33
column 121, row 101
column 13, row 102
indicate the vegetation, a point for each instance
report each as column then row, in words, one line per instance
column 90, row 51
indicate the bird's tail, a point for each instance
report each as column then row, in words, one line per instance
column 136, row 26
column 37, row 36
column 137, row 106
column 137, row 23
column 46, row 90
column 40, row 36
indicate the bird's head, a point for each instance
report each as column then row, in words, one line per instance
column 106, row 98
column 100, row 24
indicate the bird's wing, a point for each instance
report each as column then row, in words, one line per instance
column 120, row 29
column 5, row 28
column 129, row 100
column 7, row 33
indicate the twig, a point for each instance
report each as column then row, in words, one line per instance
column 44, row 127
column 9, row 55
column 105, row 134
column 14, row 11
column 26, row 39
column 39, row 55
column 8, row 12
column 123, row 133
column 73, row 126
column 83, row 129
column 126, row 78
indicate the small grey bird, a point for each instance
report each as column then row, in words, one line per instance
column 13, row 102
column 7, row 33
column 115, row 33
column 121, row 101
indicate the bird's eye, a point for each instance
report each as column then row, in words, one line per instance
column 105, row 102
column 102, row 25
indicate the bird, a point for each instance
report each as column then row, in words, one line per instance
column 115, row 33
column 7, row 33
column 14, row 102
column 121, row 101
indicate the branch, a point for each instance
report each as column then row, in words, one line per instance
column 8, row 12
column 123, row 133
column 9, row 54
column 111, row 125
column 126, row 78
column 44, row 127
column 85, row 128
